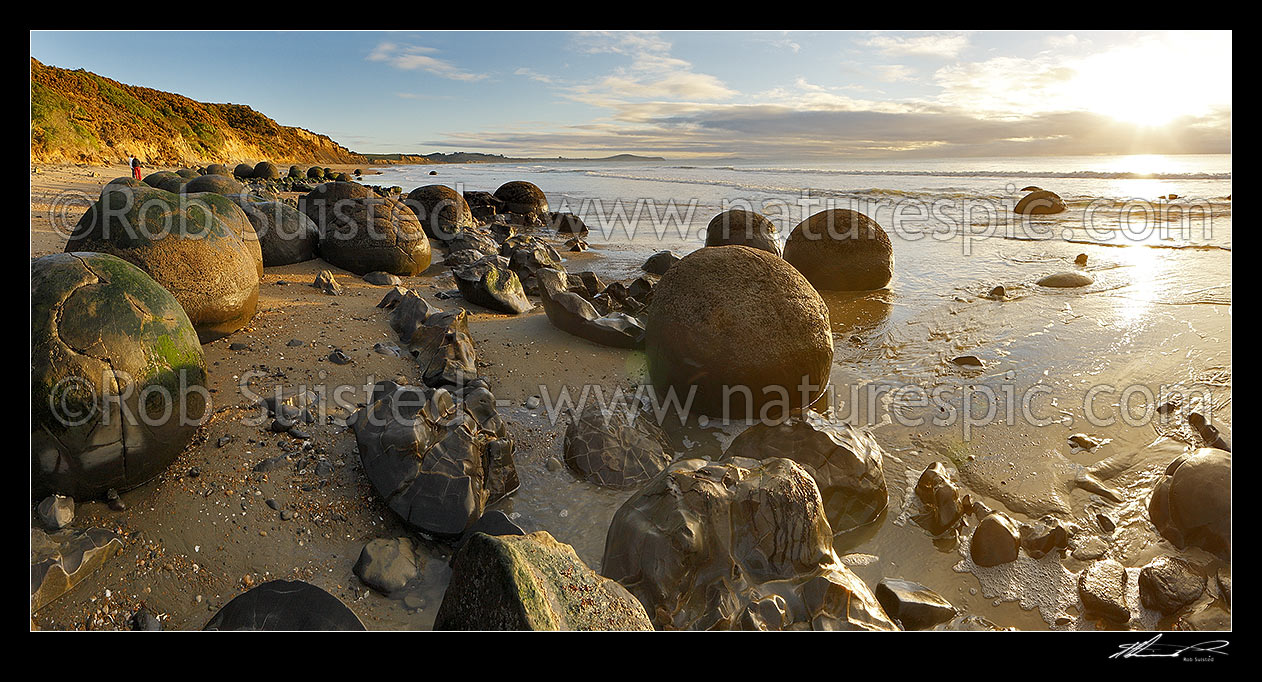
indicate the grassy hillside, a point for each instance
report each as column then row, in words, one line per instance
column 80, row 116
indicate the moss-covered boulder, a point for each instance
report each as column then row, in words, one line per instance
column 490, row 283
column 296, row 173
column 841, row 250
column 213, row 182
column 443, row 212
column 124, row 182
column 201, row 248
column 315, row 173
column 115, row 372
column 522, row 198
column 740, row 328
column 285, row 234
column 532, row 582
column 165, row 180
column 265, row 170
column 742, row 228
column 364, row 233
column 188, row 173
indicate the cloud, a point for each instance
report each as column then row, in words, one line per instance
column 891, row 73
column 651, row 74
column 416, row 57
column 945, row 45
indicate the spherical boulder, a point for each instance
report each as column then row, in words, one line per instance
column 296, row 173
column 363, row 233
column 165, row 180
column 740, row 328
column 188, row 173
column 285, row 234
column 1191, row 505
column 201, row 248
column 742, row 228
column 315, row 173
column 285, row 605
column 218, row 169
column 213, row 182
column 1040, row 202
column 443, row 211
column 116, row 369
column 124, row 182
column 243, row 171
column 522, row 198
column 841, row 250
column 265, row 170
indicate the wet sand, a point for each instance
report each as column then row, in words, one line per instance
column 194, row 542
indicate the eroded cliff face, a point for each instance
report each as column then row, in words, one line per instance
column 78, row 116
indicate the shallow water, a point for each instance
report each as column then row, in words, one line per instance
column 1156, row 323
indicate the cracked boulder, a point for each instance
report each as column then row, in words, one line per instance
column 285, row 605
column 526, row 256
column 572, row 313
column 941, row 497
column 612, row 448
column 532, row 582
column 200, row 247
column 437, row 460
column 117, row 376
column 737, row 544
column 845, row 462
column 59, row 561
column 363, row 233
column 443, row 348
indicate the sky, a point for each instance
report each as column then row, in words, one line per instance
column 707, row 95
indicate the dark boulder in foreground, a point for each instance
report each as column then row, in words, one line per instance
column 243, row 171
column 265, row 170
column 362, row 232
column 532, row 582
column 742, row 327
column 742, row 228
column 436, row 460
column 1040, row 202
column 490, row 283
column 201, row 248
column 1167, row 584
column 165, row 180
column 913, row 605
column 738, row 544
column 1191, row 505
column 94, row 319
column 572, row 313
column 841, row 250
column 612, row 448
column 285, row 235
column 285, row 605
column 567, row 223
column 997, row 540
column 845, row 462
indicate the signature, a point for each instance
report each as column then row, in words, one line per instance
column 1152, row 649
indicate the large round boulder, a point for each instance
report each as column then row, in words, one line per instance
column 1191, row 505
column 846, row 463
column 737, row 544
column 285, row 234
column 117, row 376
column 243, row 171
column 522, row 198
column 364, row 233
column 738, row 227
column 285, row 605
column 218, row 169
column 201, row 248
column 841, row 250
column 265, row 170
column 1040, row 202
column 315, row 173
column 443, row 211
column 740, row 328
column 213, row 182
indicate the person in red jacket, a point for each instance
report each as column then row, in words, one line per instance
column 135, row 167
